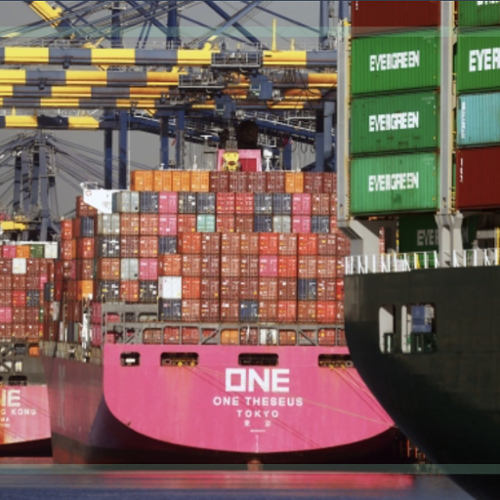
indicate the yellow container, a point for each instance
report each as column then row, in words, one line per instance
column 158, row 180
column 229, row 337
column 167, row 180
column 200, row 182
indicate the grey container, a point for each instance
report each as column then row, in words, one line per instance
column 108, row 291
column 307, row 289
column 282, row 204
column 148, row 291
column 33, row 298
column 108, row 225
column 263, row 204
column 87, row 227
column 282, row 224
column 148, row 202
column 187, row 203
column 167, row 245
column 205, row 203
column 126, row 202
column 108, row 247
column 170, row 310
column 263, row 224
column 249, row 311
column 320, row 224
column 129, row 269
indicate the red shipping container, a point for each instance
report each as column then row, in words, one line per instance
column 268, row 266
column 249, row 266
column 189, row 243
column 148, row 269
column 69, row 270
column 268, row 289
column 340, row 268
column 108, row 269
column 129, row 247
column 43, row 278
column 219, row 182
column 327, row 267
column 32, row 315
column 67, row 229
column 33, row 267
column 307, row 267
column 210, row 265
column 85, row 248
column 170, row 265
column 190, row 335
column 230, row 311
column 77, row 226
column 268, row 311
column 129, row 224
column 210, row 288
column 190, row 313
column 287, row 311
column 84, row 210
column 171, row 335
column 5, row 314
column 478, row 177
column 340, row 290
column 19, row 315
column 19, row 282
column 167, row 225
column 275, row 182
column 301, row 204
column 243, row 223
column 5, row 330
column 186, row 223
column 148, row 247
column 32, row 282
column 168, row 202
column 287, row 289
column 287, row 267
column 5, row 299
column 287, row 244
column 148, row 225
column 5, row 267
column 307, row 244
column 191, row 265
column 268, row 243
column 301, row 224
column 249, row 288
column 19, row 298
column 210, row 311
column 129, row 291
column 238, row 182
column 230, row 243
column 225, row 224
column 327, row 244
column 58, row 290
column 329, row 182
column 244, row 204
column 211, row 243
column 230, row 266
column 326, row 312
column 320, row 204
column 191, row 288
column 343, row 244
column 313, row 182
column 225, row 203
column 230, row 289
column 306, row 311
column 256, row 182
column 9, row 251
column 370, row 18
column 68, row 249
column 327, row 337
column 250, row 243
column 326, row 290
column 340, row 313
column 6, row 282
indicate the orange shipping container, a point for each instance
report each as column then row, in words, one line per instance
column 190, row 243
column 85, row 289
column 66, row 229
column 167, row 180
column 294, row 182
column 108, row 269
column 129, row 224
column 148, row 247
column 23, row 251
column 148, row 225
column 200, row 182
column 230, row 337
column 170, row 265
column 287, row 311
column 186, row 223
column 129, row 291
column 158, row 180
column 191, row 288
column 181, row 181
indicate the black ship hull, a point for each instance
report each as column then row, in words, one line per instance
column 446, row 400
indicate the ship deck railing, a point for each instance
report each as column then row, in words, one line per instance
column 416, row 261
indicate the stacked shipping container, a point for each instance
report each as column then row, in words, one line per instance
column 478, row 86
column 243, row 247
column 395, row 107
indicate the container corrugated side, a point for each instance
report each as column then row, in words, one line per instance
column 478, row 14
column 478, row 60
column 394, row 184
column 393, row 63
column 369, row 18
column 478, row 178
column 478, row 119
column 395, row 123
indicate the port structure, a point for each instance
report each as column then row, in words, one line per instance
column 87, row 77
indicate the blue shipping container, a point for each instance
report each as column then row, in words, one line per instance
column 478, row 119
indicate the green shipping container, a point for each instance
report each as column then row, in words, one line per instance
column 37, row 251
column 393, row 63
column 205, row 224
column 404, row 122
column 394, row 184
column 478, row 60
column 419, row 233
column 478, row 14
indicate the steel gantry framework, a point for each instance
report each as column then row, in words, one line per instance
column 133, row 66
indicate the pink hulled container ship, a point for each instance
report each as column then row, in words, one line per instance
column 202, row 322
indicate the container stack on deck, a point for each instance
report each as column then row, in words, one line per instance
column 211, row 247
column 478, row 108
column 395, row 108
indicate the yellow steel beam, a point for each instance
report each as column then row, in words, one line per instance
column 47, row 12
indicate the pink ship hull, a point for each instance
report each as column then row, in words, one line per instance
column 214, row 412
column 24, row 419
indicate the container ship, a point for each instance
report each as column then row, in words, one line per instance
column 26, row 271
column 421, row 319
column 202, row 322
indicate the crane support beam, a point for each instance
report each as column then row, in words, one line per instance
column 17, row 184
column 44, row 191
column 108, row 159
column 123, row 151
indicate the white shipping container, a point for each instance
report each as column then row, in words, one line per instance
column 170, row 287
column 126, row 202
column 108, row 224
column 18, row 266
column 282, row 224
column 129, row 269
column 51, row 250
